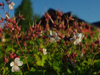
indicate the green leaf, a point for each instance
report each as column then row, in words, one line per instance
column 69, row 71
column 97, row 64
column 56, row 65
column 15, row 73
column 41, row 61
column 30, row 73
column 89, row 60
column 5, row 70
column 50, row 73
column 41, row 46
column 0, row 53
column 33, row 69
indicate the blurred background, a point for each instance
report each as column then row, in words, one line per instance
column 87, row 10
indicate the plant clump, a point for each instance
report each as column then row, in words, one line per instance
column 58, row 44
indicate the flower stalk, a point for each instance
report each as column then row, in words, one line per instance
column 23, row 53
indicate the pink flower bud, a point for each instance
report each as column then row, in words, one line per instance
column 14, row 55
column 75, row 61
column 59, row 13
column 14, row 22
column 33, row 35
column 37, row 27
column 63, row 27
column 93, row 44
column 30, row 29
column 5, row 60
column 20, row 17
column 25, row 44
column 11, row 56
column 12, row 28
column 1, row 4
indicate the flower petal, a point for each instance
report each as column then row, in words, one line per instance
column 49, row 36
column 3, row 40
column 57, row 38
column 54, row 34
column 15, row 69
column 77, row 41
column 12, row 3
column 16, row 59
column 44, row 51
column 76, row 35
column 72, row 39
column 81, row 55
column 12, row 64
column 52, row 39
column 10, row 7
column 81, row 35
column 18, row 62
column 50, row 32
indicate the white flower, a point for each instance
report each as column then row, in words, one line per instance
column 55, row 37
column 81, row 55
column 44, row 51
column 78, row 38
column 14, row 64
column 11, row 5
column 3, row 39
column 41, row 33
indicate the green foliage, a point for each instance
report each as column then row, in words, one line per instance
column 36, row 18
column 97, row 64
column 43, row 56
column 25, row 9
column 15, row 73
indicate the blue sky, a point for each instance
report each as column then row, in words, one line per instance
column 88, row 10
